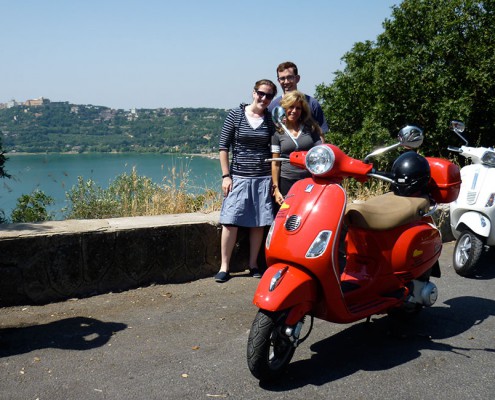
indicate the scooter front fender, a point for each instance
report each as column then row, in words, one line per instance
column 476, row 222
column 283, row 287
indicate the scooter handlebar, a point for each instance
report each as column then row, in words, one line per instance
column 455, row 149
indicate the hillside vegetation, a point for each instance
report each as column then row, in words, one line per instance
column 63, row 127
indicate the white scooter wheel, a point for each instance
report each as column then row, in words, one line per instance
column 467, row 253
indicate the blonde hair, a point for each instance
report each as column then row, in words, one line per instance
column 306, row 119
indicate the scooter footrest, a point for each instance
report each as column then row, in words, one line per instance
column 348, row 286
column 397, row 294
column 374, row 305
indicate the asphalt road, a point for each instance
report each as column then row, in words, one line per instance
column 189, row 341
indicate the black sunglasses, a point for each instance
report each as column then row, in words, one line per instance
column 261, row 94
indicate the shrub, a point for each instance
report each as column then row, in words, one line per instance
column 131, row 195
column 32, row 207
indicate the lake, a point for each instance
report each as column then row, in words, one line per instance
column 56, row 174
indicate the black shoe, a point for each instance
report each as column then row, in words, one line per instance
column 222, row 277
column 255, row 273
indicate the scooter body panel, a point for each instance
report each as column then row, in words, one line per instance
column 474, row 208
column 293, row 286
column 411, row 248
column 310, row 208
column 379, row 263
column 417, row 248
column 476, row 222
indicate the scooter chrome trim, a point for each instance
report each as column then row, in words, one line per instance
column 424, row 293
column 277, row 278
column 292, row 223
column 432, row 211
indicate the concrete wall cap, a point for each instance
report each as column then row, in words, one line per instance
column 13, row 231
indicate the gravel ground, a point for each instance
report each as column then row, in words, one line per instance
column 189, row 341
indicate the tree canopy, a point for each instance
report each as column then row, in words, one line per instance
column 434, row 62
column 3, row 173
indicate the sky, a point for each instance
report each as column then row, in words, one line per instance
column 182, row 53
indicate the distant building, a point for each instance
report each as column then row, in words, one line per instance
column 13, row 103
column 132, row 115
column 36, row 102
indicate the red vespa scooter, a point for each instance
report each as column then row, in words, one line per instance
column 391, row 245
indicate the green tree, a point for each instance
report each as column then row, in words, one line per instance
column 3, row 174
column 32, row 207
column 434, row 62
column 3, row 159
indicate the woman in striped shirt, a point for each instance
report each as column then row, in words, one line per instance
column 246, row 179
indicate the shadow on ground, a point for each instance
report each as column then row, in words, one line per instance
column 386, row 343
column 78, row 333
column 486, row 266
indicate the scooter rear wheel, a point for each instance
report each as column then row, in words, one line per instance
column 467, row 253
column 269, row 349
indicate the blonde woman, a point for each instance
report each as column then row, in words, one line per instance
column 306, row 133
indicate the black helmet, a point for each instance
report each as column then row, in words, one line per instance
column 411, row 174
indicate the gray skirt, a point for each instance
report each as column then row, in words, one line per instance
column 249, row 204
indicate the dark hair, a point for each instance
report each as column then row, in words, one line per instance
column 267, row 82
column 286, row 65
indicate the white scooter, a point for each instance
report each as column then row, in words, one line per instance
column 473, row 213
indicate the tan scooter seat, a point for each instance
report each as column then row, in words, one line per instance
column 386, row 211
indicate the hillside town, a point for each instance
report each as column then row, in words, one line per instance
column 40, row 101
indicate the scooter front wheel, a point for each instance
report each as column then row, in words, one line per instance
column 269, row 349
column 467, row 253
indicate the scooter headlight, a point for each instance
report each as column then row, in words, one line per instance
column 320, row 159
column 488, row 158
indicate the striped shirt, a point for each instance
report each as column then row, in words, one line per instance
column 250, row 147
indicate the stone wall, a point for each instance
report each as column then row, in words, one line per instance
column 58, row 260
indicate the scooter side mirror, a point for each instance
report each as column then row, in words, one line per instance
column 410, row 137
column 278, row 115
column 458, row 127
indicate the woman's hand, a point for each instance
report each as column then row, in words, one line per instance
column 226, row 185
column 279, row 198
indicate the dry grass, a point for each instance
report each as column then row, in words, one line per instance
column 131, row 195
column 362, row 191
